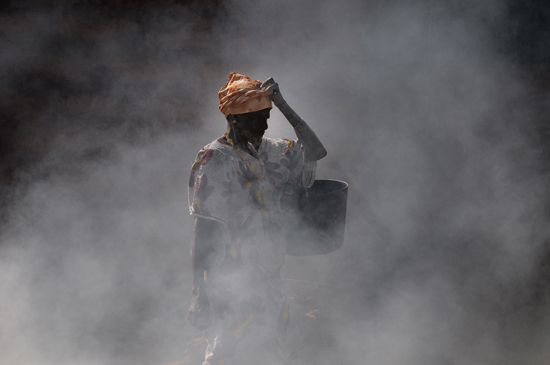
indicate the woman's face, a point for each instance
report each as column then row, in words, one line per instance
column 253, row 125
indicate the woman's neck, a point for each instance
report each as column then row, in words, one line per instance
column 242, row 140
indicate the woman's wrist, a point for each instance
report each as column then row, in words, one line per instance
column 292, row 117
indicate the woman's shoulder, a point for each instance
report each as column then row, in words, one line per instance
column 219, row 144
column 219, row 147
column 280, row 143
column 215, row 153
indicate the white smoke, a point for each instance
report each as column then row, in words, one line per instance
column 419, row 113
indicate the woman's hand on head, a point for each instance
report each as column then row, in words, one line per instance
column 273, row 91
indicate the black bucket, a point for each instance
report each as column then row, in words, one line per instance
column 315, row 221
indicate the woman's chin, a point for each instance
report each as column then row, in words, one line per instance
column 256, row 136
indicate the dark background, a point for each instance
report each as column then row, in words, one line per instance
column 523, row 37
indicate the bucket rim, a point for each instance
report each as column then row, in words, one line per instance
column 343, row 186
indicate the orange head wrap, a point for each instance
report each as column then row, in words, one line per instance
column 242, row 95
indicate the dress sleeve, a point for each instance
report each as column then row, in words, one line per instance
column 301, row 172
column 206, row 186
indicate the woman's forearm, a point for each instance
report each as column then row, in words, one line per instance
column 202, row 244
column 314, row 148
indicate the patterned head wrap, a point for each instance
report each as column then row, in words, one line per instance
column 242, row 95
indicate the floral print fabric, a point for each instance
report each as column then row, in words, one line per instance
column 241, row 192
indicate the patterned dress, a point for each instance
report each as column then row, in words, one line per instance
column 241, row 192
